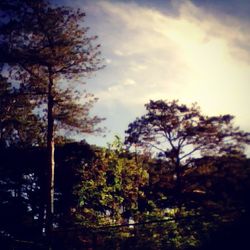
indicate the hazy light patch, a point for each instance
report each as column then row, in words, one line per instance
column 137, row 67
column 118, row 53
column 129, row 82
column 108, row 61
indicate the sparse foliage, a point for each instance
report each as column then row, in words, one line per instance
column 19, row 126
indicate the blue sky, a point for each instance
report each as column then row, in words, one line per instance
column 194, row 51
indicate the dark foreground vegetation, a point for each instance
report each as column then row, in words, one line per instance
column 93, row 207
column 180, row 179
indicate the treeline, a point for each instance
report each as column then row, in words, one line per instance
column 109, row 197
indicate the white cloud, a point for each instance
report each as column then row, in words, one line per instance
column 118, row 52
column 129, row 82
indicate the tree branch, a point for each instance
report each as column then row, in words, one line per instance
column 189, row 153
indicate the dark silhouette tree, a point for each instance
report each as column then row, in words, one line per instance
column 180, row 135
column 46, row 48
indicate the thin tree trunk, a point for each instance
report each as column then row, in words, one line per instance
column 51, row 161
column 178, row 186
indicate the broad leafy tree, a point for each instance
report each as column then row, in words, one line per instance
column 181, row 136
column 111, row 187
column 198, row 176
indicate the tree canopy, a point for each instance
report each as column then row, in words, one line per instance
column 111, row 187
column 185, row 140
column 19, row 126
column 181, row 133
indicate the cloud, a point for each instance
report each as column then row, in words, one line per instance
column 195, row 56
column 129, row 82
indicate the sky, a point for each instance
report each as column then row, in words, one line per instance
column 194, row 51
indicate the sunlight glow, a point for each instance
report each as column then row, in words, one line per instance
column 195, row 56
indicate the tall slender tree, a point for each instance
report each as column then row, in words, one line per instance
column 47, row 48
